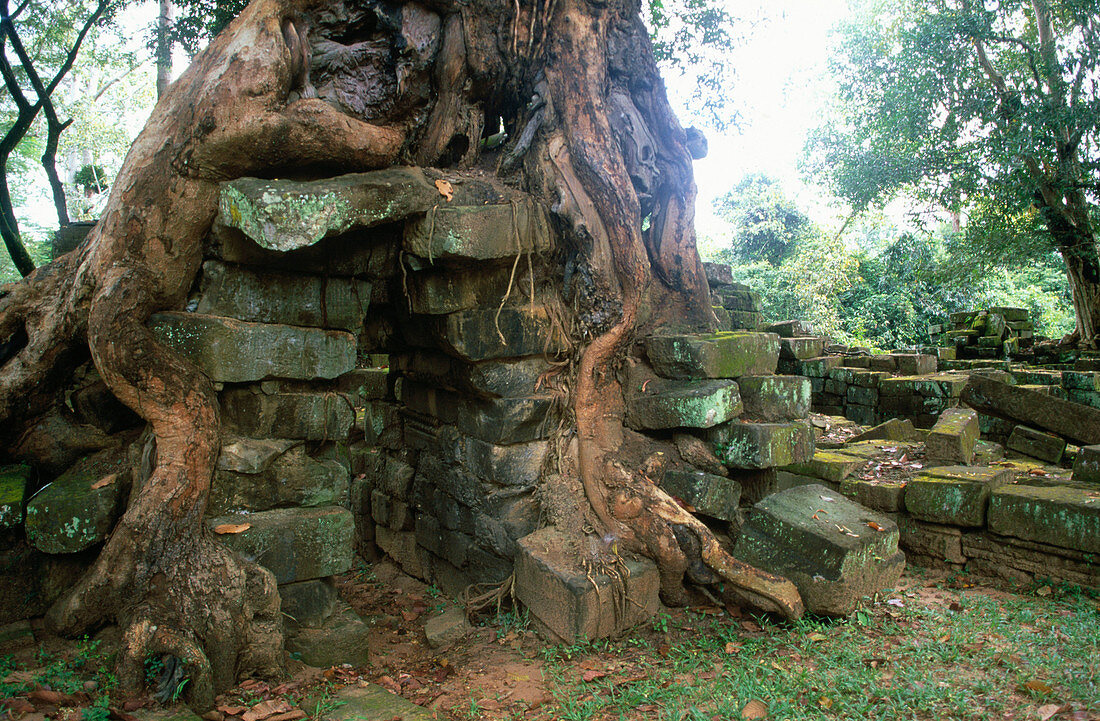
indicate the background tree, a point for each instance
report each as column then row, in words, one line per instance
column 765, row 224
column 973, row 105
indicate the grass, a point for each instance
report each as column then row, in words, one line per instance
column 967, row 655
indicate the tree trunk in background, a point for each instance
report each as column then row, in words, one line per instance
column 164, row 47
column 1076, row 243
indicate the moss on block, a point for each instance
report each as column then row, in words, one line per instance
column 953, row 438
column 1030, row 442
column 775, row 398
column 707, row 493
column 716, row 355
column 829, row 465
column 13, row 484
column 682, row 404
column 763, row 445
column 954, row 495
column 1063, row 516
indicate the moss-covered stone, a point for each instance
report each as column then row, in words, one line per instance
column 707, row 493
column 953, row 438
column 682, row 404
column 479, row 232
column 828, row 465
column 368, row 703
column 1063, row 516
column 763, row 445
column 13, row 485
column 801, row 348
column 717, row 355
column 1030, row 442
column 68, row 515
column 485, row 334
column 1086, row 467
column 306, row 416
column 954, row 495
column 775, row 398
column 880, row 494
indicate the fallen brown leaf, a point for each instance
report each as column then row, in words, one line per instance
column 231, row 528
column 232, row 710
column 591, row 675
column 1045, row 712
column 266, row 709
column 755, row 709
column 104, row 482
column 445, row 189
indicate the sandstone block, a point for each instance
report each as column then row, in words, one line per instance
column 707, row 493
column 763, row 445
column 306, row 416
column 818, row 367
column 682, row 404
column 292, row 479
column 232, row 351
column 401, row 546
column 1063, row 516
column 952, row 439
column 825, row 544
column 309, row 603
column 915, row 364
column 373, row 703
column 829, row 465
column 718, row 355
column 801, row 348
column 954, row 495
column 483, row 232
column 790, row 328
column 775, row 398
column 295, row 544
column 1086, row 467
column 446, row 628
column 885, row 495
column 931, row 540
column 1030, row 442
column 342, row 638
column 718, row 274
column 560, row 595
column 475, row 335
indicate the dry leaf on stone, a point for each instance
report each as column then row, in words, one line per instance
column 1045, row 712
column 104, row 482
column 232, row 710
column 266, row 709
column 231, row 528
column 755, row 709
column 445, row 189
column 875, row 526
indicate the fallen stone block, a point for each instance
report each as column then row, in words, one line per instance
column 954, row 495
column 1086, row 467
column 833, row 550
column 233, row 351
column 369, row 703
column 80, row 507
column 309, row 603
column 1063, row 516
column 661, row 404
column 763, row 445
column 13, row 485
column 446, row 628
column 775, row 398
column 801, row 348
column 829, row 465
column 895, row 429
column 952, row 439
column 573, row 604
column 482, row 232
column 1073, row 421
column 717, row 355
column 295, row 544
column 1030, row 442
column 343, row 638
column 305, row 416
column 711, row 495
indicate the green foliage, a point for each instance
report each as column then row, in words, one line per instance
column 196, row 21
column 766, row 224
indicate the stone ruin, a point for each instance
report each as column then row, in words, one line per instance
column 386, row 358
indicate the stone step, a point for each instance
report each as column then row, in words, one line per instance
column 233, row 351
column 835, row 551
column 295, row 544
column 13, row 485
column 717, row 355
column 270, row 296
column 681, row 404
column 954, row 495
column 763, row 445
column 478, row 233
column 299, row 416
column 775, row 398
column 1063, row 516
column 68, row 515
column 575, row 605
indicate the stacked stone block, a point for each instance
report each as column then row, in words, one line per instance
column 991, row 333
column 737, row 306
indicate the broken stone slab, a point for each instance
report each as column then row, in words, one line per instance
column 1030, row 442
column 343, row 638
column 285, row 215
column 718, row 355
column 1063, row 516
column 763, row 445
column 573, row 604
column 895, row 429
column 369, row 702
column 707, row 493
column 233, row 351
column 835, row 551
column 801, row 348
column 1086, row 467
column 292, row 479
column 954, row 495
column 277, row 297
column 828, row 465
column 482, row 233
column 790, row 329
column 483, row 334
column 445, row 628
column 295, row 544
column 775, row 398
column 1073, row 421
column 251, row 455
column 299, row 416
column 13, row 486
column 69, row 515
column 951, row 441
column 681, row 404
column 309, row 603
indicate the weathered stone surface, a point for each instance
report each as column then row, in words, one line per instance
column 880, row 494
column 372, row 703
column 401, row 546
column 1074, row 421
column 915, row 364
column 278, row 297
column 824, row 544
column 445, row 628
column 682, row 404
column 818, row 367
column 479, row 232
column 954, row 495
column 763, row 445
column 382, row 425
column 307, row 416
column 68, row 515
column 790, row 329
column 801, row 348
column 1086, row 467
column 775, row 398
column 1064, row 516
column 252, row 455
column 232, row 351
column 448, row 290
column 1021, row 561
column 952, row 439
column 829, row 465
column 718, row 274
column 342, row 638
column 309, row 603
column 931, row 541
column 30, row 581
column 295, row 544
column 364, row 384
column 286, row 214
column 571, row 604
column 292, row 479
column 475, row 335
column 13, row 484
column 718, row 355
column 894, row 429
column 707, row 493
column 1036, row 444
column 517, row 464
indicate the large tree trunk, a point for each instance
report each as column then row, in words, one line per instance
column 1071, row 231
column 592, row 134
